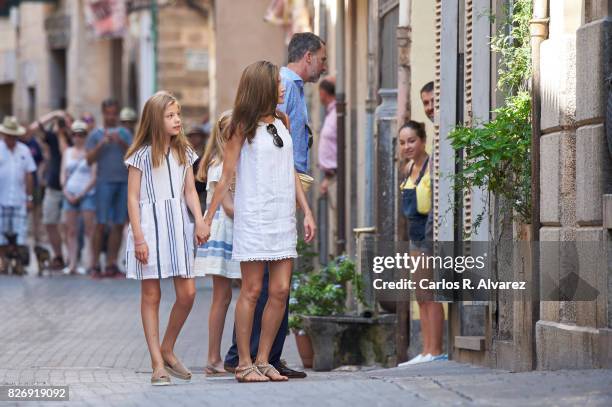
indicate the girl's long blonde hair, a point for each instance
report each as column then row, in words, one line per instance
column 213, row 154
column 151, row 130
column 257, row 96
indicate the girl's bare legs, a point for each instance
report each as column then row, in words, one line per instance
column 149, row 309
column 435, row 327
column 89, row 219
column 252, row 276
column 72, row 225
column 222, row 296
column 278, row 291
column 185, row 294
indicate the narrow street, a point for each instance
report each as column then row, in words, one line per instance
column 86, row 334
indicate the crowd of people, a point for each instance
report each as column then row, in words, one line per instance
column 64, row 187
column 220, row 205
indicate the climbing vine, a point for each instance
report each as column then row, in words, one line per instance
column 497, row 154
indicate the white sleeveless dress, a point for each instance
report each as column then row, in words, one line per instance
column 164, row 218
column 264, row 203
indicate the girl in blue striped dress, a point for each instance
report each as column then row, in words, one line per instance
column 214, row 258
column 161, row 237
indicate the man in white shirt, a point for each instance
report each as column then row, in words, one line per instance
column 16, row 182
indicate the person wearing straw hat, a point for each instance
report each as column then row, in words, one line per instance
column 128, row 119
column 16, row 182
column 78, row 180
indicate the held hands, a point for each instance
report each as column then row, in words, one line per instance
column 309, row 228
column 202, row 232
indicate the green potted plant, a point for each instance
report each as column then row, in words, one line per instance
column 497, row 154
column 323, row 293
column 338, row 337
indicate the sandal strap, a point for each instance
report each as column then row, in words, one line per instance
column 265, row 368
column 243, row 372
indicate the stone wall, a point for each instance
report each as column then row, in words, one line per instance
column 87, row 58
column 32, row 62
column 183, row 58
column 574, row 162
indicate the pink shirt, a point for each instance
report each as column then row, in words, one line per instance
column 328, row 159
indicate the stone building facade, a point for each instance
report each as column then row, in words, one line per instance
column 241, row 36
column 574, row 157
column 572, row 66
column 50, row 58
column 576, row 177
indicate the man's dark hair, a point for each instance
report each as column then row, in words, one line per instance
column 110, row 102
column 301, row 43
column 429, row 87
column 328, row 86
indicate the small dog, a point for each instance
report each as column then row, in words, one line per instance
column 14, row 258
column 43, row 258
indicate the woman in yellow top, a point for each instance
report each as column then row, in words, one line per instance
column 416, row 187
column 416, row 205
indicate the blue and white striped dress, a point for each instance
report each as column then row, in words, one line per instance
column 215, row 256
column 164, row 219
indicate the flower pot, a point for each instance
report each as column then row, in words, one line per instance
column 350, row 340
column 304, row 346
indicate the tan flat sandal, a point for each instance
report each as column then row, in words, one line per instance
column 242, row 374
column 270, row 372
column 178, row 370
column 160, row 377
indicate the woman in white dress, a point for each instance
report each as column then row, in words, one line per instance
column 260, row 151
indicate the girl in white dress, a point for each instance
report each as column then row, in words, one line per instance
column 160, row 240
column 214, row 258
column 260, row 151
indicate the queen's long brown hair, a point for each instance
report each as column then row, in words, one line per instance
column 151, row 130
column 213, row 154
column 257, row 96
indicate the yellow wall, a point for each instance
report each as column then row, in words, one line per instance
column 422, row 58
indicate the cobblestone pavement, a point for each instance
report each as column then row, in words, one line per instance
column 87, row 334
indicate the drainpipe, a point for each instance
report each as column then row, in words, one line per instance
column 539, row 32
column 341, row 112
column 371, row 104
column 404, row 42
column 404, row 111
column 155, row 39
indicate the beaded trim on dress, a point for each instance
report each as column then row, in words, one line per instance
column 269, row 258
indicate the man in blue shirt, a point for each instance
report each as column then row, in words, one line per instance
column 106, row 147
column 307, row 61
